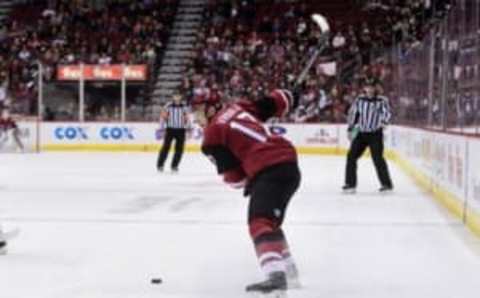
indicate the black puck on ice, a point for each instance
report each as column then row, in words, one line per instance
column 156, row 281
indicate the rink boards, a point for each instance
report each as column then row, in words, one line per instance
column 309, row 138
column 443, row 164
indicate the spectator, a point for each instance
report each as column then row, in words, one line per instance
column 3, row 94
column 339, row 40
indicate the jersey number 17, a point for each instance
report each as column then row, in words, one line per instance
column 245, row 124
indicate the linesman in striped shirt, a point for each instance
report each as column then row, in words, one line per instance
column 368, row 116
column 175, row 119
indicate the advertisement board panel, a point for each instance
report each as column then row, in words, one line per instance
column 71, row 133
column 474, row 175
column 102, row 72
column 440, row 157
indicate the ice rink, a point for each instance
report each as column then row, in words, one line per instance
column 102, row 225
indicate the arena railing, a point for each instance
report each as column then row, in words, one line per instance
column 433, row 83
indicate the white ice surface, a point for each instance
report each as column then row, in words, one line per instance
column 103, row 225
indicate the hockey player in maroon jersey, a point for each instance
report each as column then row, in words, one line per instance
column 265, row 165
column 7, row 124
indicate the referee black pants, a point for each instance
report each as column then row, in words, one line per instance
column 177, row 134
column 374, row 141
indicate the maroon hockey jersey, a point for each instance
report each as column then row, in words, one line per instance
column 240, row 146
column 7, row 124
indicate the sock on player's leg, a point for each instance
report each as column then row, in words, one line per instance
column 269, row 244
column 291, row 268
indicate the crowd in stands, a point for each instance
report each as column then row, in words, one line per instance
column 71, row 32
column 247, row 47
column 247, row 52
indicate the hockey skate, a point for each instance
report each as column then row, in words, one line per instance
column 3, row 248
column 347, row 189
column 4, row 237
column 385, row 189
column 274, row 287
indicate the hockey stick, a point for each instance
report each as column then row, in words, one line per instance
column 322, row 23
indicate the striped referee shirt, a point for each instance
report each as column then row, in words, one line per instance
column 369, row 114
column 177, row 115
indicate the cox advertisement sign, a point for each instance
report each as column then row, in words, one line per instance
column 117, row 133
column 93, row 133
column 70, row 133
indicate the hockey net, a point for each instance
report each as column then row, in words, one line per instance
column 28, row 134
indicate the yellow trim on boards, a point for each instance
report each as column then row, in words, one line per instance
column 445, row 198
column 442, row 196
column 473, row 221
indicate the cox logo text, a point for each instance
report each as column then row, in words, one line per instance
column 71, row 133
column 116, row 133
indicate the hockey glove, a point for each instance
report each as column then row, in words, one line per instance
column 235, row 178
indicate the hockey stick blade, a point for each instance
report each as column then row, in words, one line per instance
column 6, row 236
column 321, row 22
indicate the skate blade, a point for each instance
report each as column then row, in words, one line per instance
column 349, row 192
column 274, row 294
